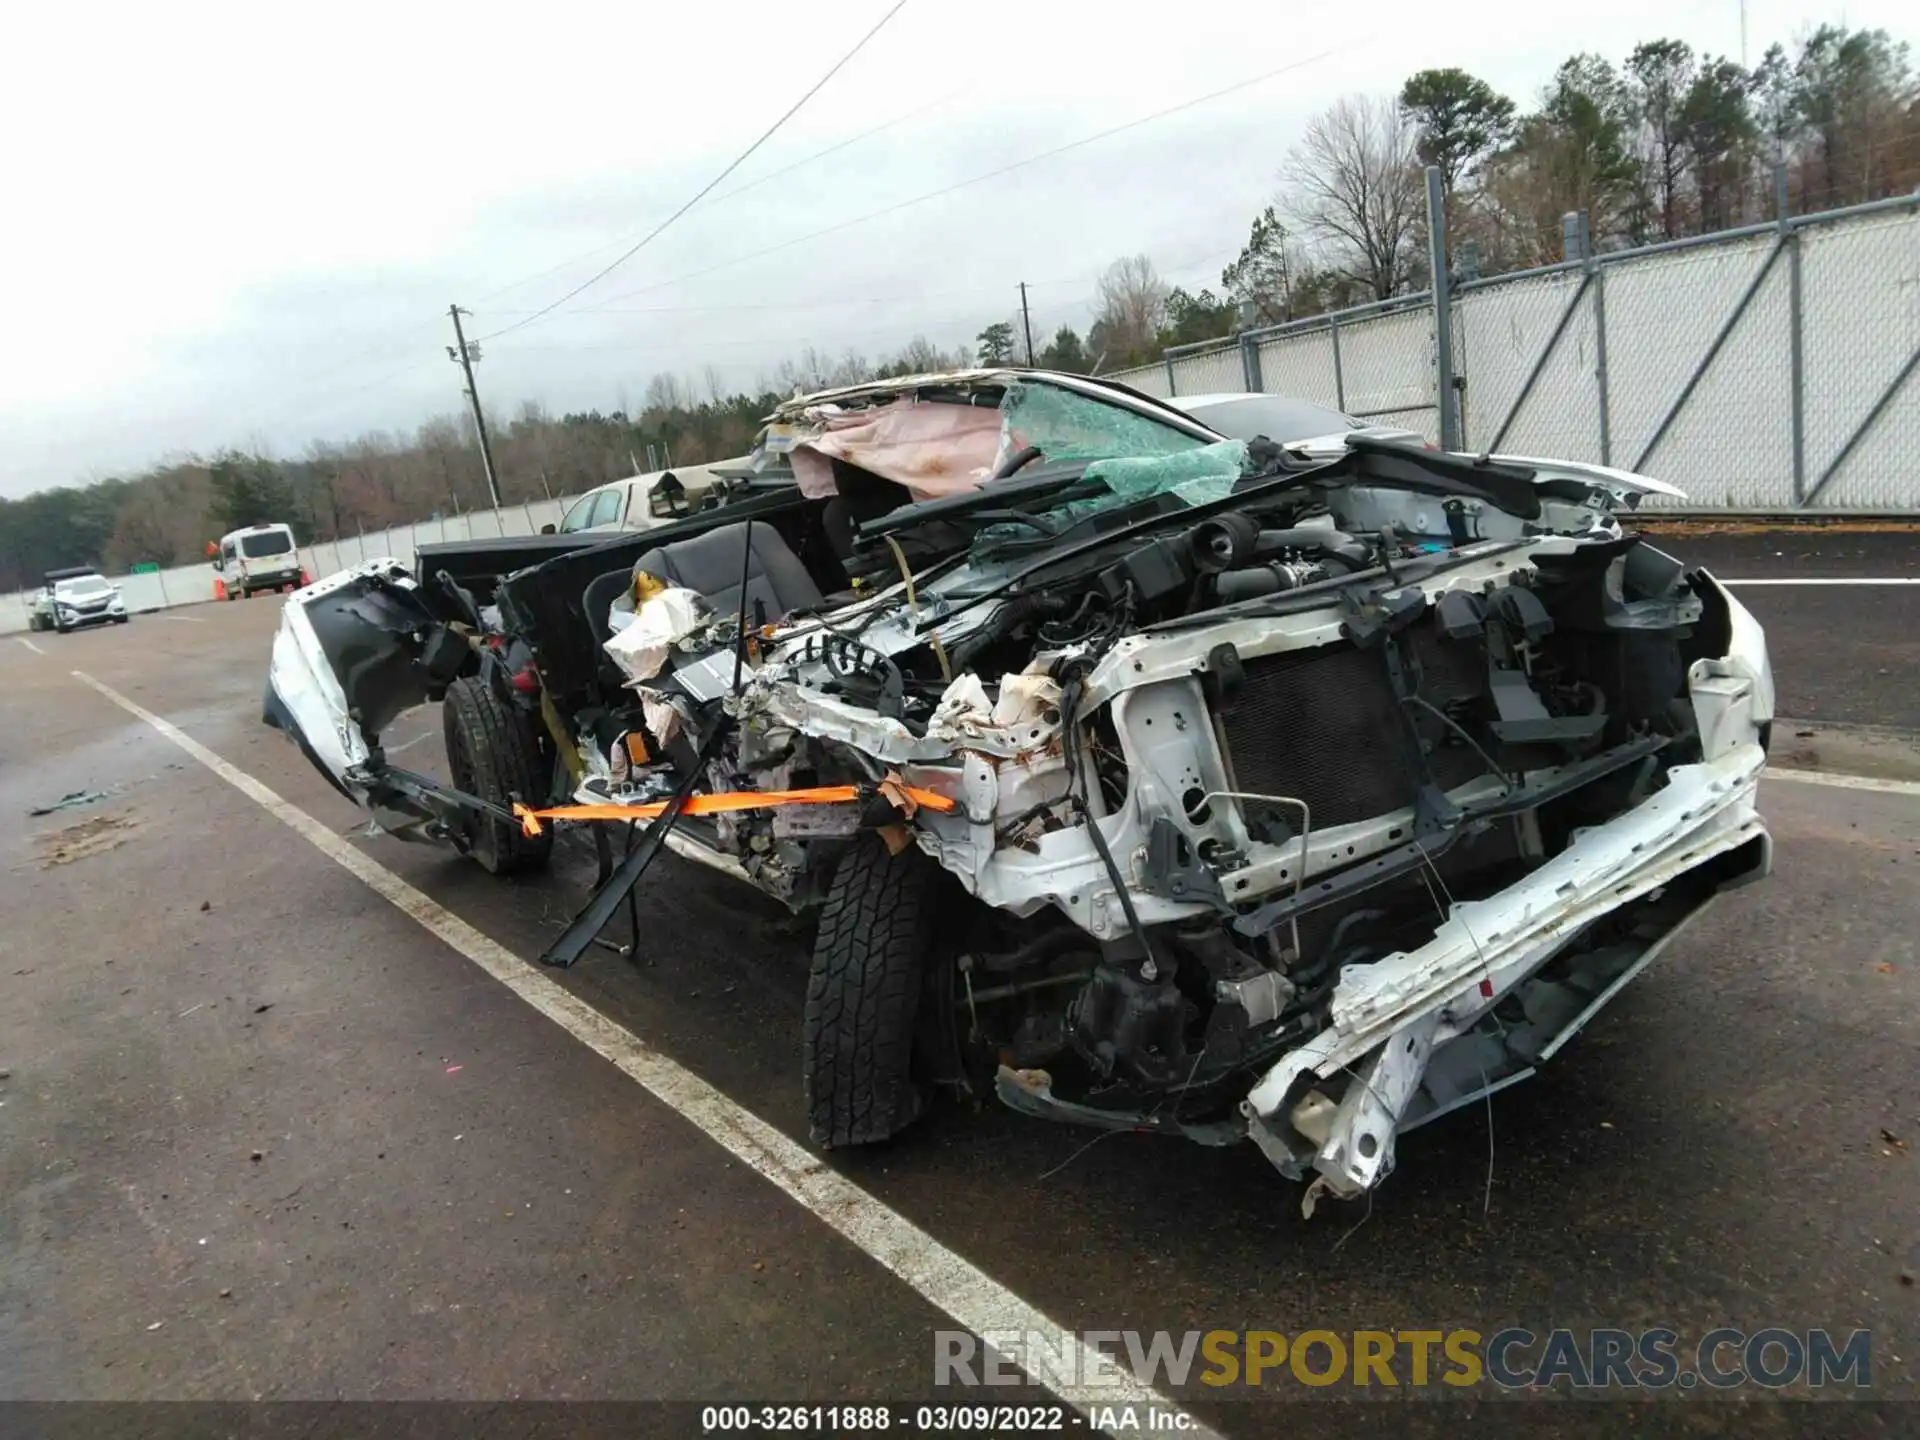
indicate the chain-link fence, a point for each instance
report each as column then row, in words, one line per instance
column 1769, row 368
column 1150, row 379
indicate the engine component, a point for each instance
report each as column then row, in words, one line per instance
column 1263, row 997
column 1149, row 573
column 1123, row 1021
column 1234, row 541
column 1268, row 579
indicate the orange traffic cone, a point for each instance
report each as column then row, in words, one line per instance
column 219, row 588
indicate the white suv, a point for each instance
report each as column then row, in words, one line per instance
column 75, row 598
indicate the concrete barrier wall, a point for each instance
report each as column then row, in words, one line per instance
column 193, row 584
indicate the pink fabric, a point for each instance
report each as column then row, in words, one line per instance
column 930, row 447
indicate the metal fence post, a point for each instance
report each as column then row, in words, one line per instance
column 1442, row 310
column 1172, row 387
column 1796, row 357
column 1339, row 371
column 1250, row 363
column 1599, row 273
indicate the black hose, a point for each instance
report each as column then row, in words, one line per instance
column 740, row 639
column 1234, row 541
column 1001, row 624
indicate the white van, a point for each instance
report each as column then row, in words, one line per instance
column 260, row 557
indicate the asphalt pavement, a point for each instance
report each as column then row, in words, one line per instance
column 267, row 1137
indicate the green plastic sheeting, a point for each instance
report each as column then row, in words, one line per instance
column 1196, row 476
column 1134, row 456
column 1071, row 427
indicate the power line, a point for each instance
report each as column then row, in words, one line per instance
column 722, row 198
column 1061, row 312
column 960, row 185
column 310, row 405
column 841, row 301
column 904, row 331
column 826, row 303
column 708, row 188
column 760, row 180
column 611, row 306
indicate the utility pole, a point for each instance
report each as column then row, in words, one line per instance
column 1026, row 321
column 466, row 354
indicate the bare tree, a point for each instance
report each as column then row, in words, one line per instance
column 666, row 391
column 1353, row 184
column 920, row 356
column 851, row 368
column 1133, row 305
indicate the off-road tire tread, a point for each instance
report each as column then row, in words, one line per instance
column 876, row 930
column 507, row 766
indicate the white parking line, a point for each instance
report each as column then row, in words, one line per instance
column 939, row 1275
column 1842, row 782
column 29, row 644
column 184, row 619
column 1830, row 580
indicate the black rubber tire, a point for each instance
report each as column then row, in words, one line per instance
column 878, row 929
column 495, row 753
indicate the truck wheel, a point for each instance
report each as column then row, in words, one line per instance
column 495, row 753
column 877, row 930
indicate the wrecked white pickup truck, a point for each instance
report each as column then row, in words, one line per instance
column 1148, row 780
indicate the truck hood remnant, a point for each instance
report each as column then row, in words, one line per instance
column 948, row 434
column 1296, row 799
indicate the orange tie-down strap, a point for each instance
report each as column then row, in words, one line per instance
column 905, row 798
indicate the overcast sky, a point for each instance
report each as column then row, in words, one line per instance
column 234, row 224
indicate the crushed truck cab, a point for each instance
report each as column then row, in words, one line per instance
column 1290, row 792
